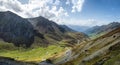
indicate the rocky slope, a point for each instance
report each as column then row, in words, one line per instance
column 52, row 32
column 67, row 28
column 47, row 29
column 36, row 31
column 15, row 29
column 45, row 26
column 103, row 50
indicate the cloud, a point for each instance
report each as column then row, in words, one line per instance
column 57, row 2
column 80, row 22
column 13, row 5
column 67, row 2
column 77, row 5
column 50, row 9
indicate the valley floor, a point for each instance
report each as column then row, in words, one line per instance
column 31, row 54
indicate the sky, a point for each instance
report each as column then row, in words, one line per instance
column 68, row 12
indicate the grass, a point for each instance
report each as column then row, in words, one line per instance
column 115, row 56
column 31, row 54
column 101, row 57
column 94, row 36
column 113, row 60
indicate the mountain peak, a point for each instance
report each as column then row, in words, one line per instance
column 9, row 14
column 6, row 12
column 114, row 23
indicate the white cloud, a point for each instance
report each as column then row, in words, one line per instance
column 46, row 8
column 79, row 22
column 77, row 5
column 57, row 2
column 67, row 2
column 13, row 5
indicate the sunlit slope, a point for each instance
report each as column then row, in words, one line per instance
column 103, row 50
column 30, row 54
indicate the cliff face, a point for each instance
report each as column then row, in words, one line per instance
column 15, row 29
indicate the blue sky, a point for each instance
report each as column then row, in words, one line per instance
column 69, row 12
column 98, row 12
column 106, row 10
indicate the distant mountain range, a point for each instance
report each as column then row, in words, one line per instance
column 78, row 28
column 32, row 31
column 95, row 29
column 103, row 28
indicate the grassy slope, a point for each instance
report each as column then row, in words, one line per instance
column 29, row 55
column 115, row 55
column 110, row 57
column 37, row 53
column 94, row 36
column 99, row 44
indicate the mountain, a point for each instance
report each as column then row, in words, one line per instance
column 53, row 32
column 103, row 28
column 15, row 29
column 37, row 31
column 36, row 39
column 78, row 28
column 44, row 25
column 103, row 50
column 46, row 31
column 68, row 28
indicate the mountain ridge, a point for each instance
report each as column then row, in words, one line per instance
column 32, row 31
column 103, row 28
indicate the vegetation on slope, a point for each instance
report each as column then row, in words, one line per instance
column 102, row 50
column 30, row 54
